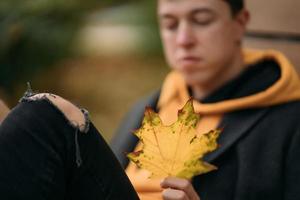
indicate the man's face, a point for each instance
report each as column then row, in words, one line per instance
column 200, row 38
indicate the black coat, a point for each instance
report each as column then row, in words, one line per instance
column 258, row 157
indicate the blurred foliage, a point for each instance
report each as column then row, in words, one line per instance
column 142, row 14
column 37, row 33
column 37, row 44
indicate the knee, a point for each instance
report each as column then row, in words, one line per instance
column 71, row 112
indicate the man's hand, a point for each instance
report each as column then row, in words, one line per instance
column 178, row 189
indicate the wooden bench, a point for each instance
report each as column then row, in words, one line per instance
column 275, row 24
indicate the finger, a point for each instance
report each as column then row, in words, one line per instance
column 180, row 184
column 173, row 181
column 172, row 194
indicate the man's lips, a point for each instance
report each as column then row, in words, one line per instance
column 189, row 59
column 189, row 63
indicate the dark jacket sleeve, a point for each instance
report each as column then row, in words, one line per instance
column 292, row 169
column 124, row 141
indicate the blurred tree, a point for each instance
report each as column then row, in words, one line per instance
column 37, row 33
column 129, row 29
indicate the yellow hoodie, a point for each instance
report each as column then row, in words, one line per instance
column 3, row 111
column 175, row 94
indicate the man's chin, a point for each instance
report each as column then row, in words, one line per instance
column 196, row 79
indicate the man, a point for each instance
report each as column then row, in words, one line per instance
column 253, row 95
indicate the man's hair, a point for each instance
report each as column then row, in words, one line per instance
column 235, row 6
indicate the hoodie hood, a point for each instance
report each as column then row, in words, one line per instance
column 285, row 89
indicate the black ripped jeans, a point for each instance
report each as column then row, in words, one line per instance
column 42, row 156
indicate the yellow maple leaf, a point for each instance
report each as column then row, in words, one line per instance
column 174, row 150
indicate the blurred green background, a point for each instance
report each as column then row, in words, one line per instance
column 101, row 55
column 105, row 54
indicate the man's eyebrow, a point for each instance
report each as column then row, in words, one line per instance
column 165, row 16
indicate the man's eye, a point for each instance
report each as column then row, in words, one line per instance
column 203, row 23
column 203, row 20
column 169, row 24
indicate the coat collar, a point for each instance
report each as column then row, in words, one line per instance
column 235, row 125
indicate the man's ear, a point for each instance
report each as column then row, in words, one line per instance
column 242, row 19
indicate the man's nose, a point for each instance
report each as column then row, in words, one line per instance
column 185, row 36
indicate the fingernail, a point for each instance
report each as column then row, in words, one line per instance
column 161, row 181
